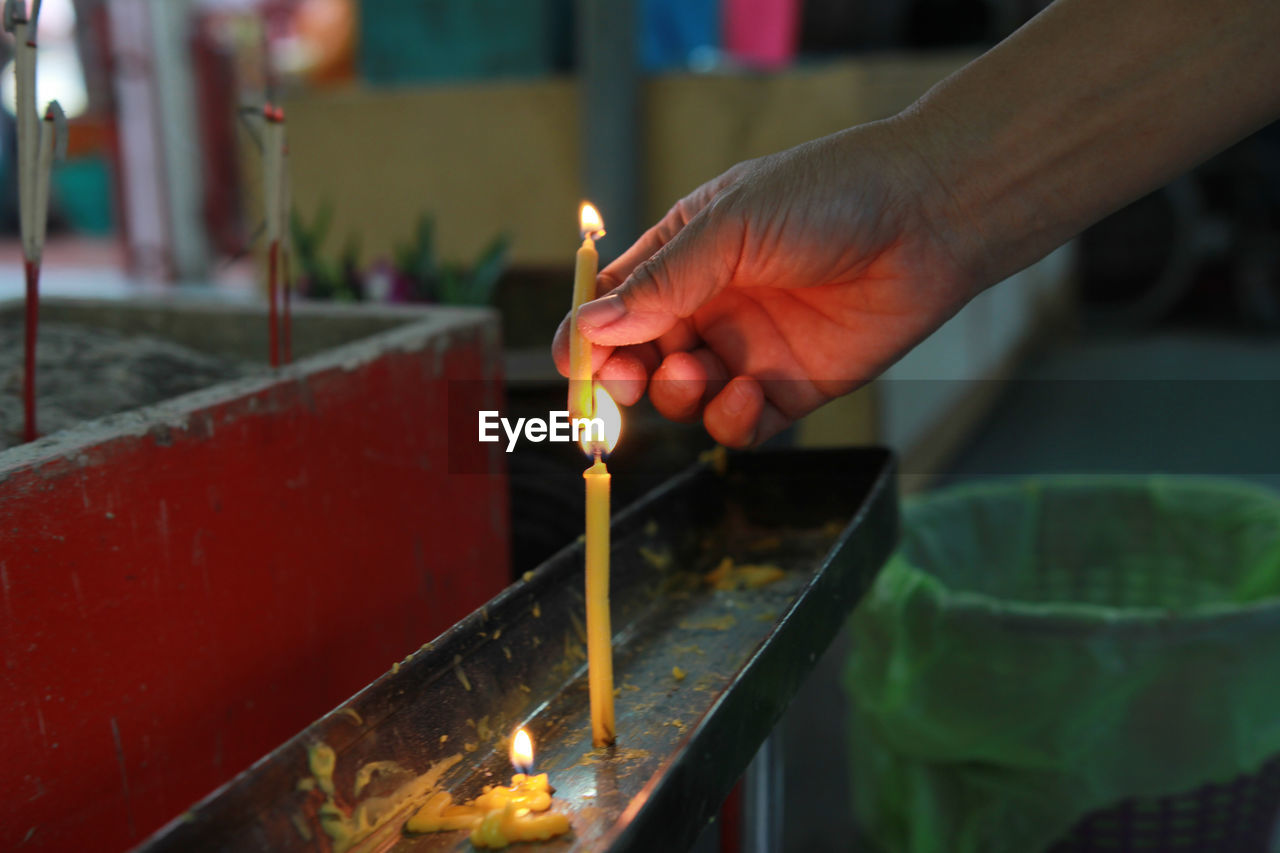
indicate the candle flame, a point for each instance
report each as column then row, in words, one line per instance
column 607, row 411
column 522, row 751
column 589, row 221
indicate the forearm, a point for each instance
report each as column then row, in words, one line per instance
column 1090, row 105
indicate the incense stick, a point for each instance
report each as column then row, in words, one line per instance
column 30, row 430
column 272, row 170
column 286, row 254
column 53, row 148
column 16, row 22
column 39, row 144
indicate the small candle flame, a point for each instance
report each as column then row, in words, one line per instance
column 589, row 221
column 522, row 751
column 605, row 410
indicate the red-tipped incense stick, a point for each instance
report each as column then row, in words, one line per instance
column 273, row 321
column 52, row 145
column 273, row 173
column 286, row 252
column 29, row 431
column 287, row 336
column 38, row 145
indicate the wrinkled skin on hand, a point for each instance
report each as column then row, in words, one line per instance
column 780, row 285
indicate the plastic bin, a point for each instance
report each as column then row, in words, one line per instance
column 1091, row 663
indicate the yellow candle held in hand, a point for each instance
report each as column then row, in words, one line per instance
column 584, row 290
column 599, row 629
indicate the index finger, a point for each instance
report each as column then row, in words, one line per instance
column 560, row 349
column 662, row 233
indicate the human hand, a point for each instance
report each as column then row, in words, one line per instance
column 780, row 285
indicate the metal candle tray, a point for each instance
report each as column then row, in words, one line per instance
column 827, row 518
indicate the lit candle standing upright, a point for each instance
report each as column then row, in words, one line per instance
column 599, row 628
column 584, row 290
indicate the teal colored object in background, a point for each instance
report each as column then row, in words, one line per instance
column 1041, row 650
column 414, row 41
column 82, row 195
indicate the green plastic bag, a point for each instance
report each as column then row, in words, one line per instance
column 1040, row 650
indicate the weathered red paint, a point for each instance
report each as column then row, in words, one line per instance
column 175, row 603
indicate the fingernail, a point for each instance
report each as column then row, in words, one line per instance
column 736, row 400
column 601, row 312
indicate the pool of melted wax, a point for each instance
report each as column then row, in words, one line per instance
column 708, row 634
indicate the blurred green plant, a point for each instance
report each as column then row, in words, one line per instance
column 320, row 278
column 416, row 272
column 430, row 279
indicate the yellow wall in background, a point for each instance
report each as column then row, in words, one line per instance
column 504, row 156
column 698, row 126
column 480, row 158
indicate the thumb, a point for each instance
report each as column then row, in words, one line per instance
column 672, row 284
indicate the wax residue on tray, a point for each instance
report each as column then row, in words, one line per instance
column 499, row 816
column 717, row 457
column 484, row 731
column 659, row 560
column 373, row 815
column 301, row 825
column 728, row 576
column 720, row 623
column 366, row 773
column 613, row 755
column 462, row 675
column 578, row 628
